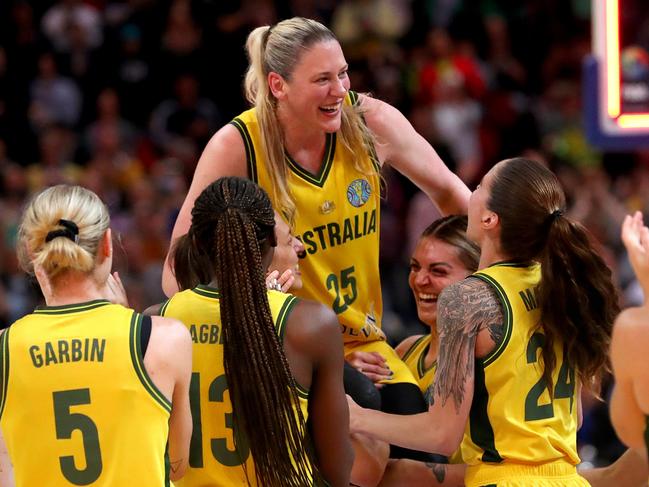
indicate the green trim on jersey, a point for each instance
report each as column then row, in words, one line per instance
column 507, row 310
column 511, row 263
column 327, row 161
column 71, row 308
column 301, row 391
column 138, row 363
column 412, row 348
column 285, row 310
column 163, row 308
column 167, row 468
column 481, row 429
column 4, row 368
column 207, row 291
column 421, row 363
column 251, row 160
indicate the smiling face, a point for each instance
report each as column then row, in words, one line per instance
column 286, row 252
column 433, row 266
column 314, row 92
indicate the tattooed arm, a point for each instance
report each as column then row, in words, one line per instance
column 470, row 324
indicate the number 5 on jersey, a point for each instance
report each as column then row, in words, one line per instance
column 66, row 424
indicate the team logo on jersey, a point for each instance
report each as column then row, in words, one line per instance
column 327, row 207
column 358, row 192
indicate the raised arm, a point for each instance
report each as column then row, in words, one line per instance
column 399, row 145
column 313, row 331
column 635, row 236
column 628, row 357
column 469, row 323
column 224, row 155
column 169, row 362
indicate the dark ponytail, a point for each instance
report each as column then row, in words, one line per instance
column 191, row 266
column 578, row 302
column 233, row 222
column 576, row 294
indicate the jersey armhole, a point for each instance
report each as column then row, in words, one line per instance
column 412, row 348
column 135, row 345
column 507, row 318
column 282, row 316
column 4, row 368
column 145, row 334
column 280, row 327
column 163, row 307
column 251, row 161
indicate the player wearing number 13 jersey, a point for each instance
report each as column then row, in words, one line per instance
column 218, row 453
column 88, row 393
column 263, row 360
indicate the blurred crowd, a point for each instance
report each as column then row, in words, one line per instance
column 121, row 96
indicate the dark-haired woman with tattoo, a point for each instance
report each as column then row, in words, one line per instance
column 263, row 362
column 518, row 339
column 443, row 256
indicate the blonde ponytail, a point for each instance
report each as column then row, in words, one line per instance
column 45, row 238
column 278, row 49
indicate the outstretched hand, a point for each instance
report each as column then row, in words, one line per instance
column 635, row 236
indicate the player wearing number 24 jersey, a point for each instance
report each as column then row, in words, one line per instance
column 88, row 392
column 518, row 339
column 218, row 452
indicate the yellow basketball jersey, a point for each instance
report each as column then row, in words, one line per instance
column 215, row 458
column 338, row 222
column 512, row 417
column 415, row 359
column 78, row 407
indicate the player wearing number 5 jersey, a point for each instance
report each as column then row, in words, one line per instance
column 89, row 393
column 264, row 361
column 518, row 339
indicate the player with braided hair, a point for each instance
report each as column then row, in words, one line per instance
column 280, row 357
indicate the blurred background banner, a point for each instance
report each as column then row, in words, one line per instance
column 616, row 76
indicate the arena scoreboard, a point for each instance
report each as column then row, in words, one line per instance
column 616, row 75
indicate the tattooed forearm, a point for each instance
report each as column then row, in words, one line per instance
column 439, row 471
column 174, row 466
column 463, row 309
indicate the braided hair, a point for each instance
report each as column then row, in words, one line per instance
column 232, row 228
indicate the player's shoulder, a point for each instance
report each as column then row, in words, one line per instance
column 407, row 344
column 170, row 332
column 311, row 325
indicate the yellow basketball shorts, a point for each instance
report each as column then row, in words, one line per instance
column 556, row 474
column 401, row 372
